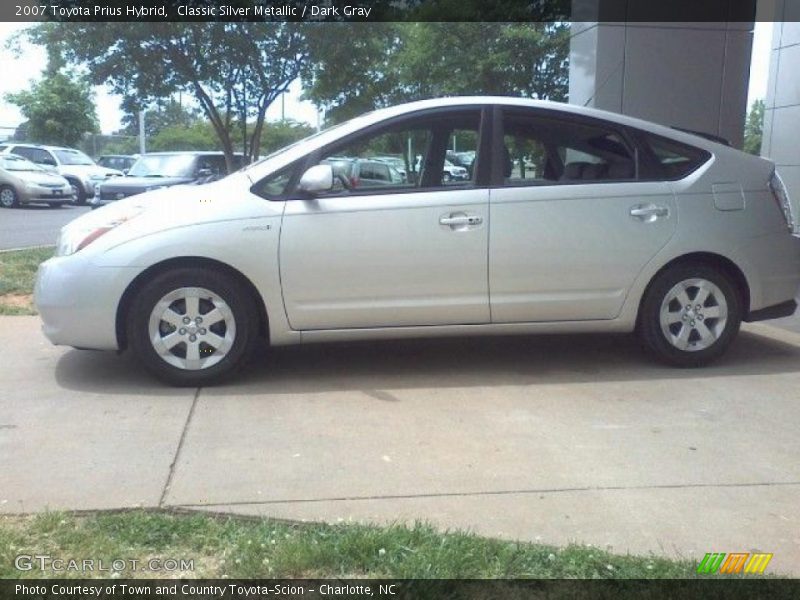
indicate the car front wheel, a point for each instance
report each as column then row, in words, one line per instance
column 8, row 197
column 193, row 327
column 690, row 315
column 78, row 193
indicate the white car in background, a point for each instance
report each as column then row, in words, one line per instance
column 77, row 168
column 573, row 220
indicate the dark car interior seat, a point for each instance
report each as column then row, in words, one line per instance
column 586, row 171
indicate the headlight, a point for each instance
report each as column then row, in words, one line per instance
column 98, row 177
column 31, row 186
column 72, row 239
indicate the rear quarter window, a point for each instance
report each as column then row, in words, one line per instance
column 675, row 159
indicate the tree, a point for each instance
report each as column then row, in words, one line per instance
column 233, row 70
column 387, row 63
column 198, row 135
column 753, row 128
column 162, row 113
column 59, row 109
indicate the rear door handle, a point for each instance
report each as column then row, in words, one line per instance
column 649, row 212
column 460, row 220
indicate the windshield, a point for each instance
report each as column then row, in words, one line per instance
column 13, row 163
column 164, row 165
column 72, row 157
column 297, row 143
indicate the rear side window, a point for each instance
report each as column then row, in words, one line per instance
column 676, row 160
column 540, row 150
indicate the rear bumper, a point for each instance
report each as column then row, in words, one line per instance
column 776, row 311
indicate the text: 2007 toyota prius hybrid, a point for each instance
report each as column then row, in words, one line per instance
column 569, row 220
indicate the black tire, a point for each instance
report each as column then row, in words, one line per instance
column 8, row 197
column 78, row 191
column 649, row 325
column 228, row 289
column 54, row 204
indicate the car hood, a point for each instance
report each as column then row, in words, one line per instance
column 142, row 183
column 89, row 171
column 178, row 206
column 38, row 177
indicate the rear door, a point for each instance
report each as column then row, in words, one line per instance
column 572, row 222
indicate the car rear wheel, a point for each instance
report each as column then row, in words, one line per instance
column 8, row 197
column 54, row 204
column 690, row 315
column 193, row 327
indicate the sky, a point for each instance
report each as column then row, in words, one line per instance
column 19, row 71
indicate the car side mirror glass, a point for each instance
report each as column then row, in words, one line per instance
column 318, row 178
column 204, row 173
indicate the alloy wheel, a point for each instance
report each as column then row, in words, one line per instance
column 693, row 314
column 7, row 197
column 192, row 328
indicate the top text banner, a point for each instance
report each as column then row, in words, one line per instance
column 379, row 10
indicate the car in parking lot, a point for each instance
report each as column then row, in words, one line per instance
column 120, row 162
column 573, row 220
column 157, row 170
column 363, row 172
column 22, row 182
column 77, row 168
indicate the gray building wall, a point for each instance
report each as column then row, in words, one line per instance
column 781, row 141
column 691, row 75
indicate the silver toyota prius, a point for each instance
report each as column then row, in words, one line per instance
column 570, row 220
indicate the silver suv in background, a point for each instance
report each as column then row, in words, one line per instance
column 77, row 168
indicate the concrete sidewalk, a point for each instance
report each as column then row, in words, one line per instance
column 551, row 439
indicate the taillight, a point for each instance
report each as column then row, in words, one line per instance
column 781, row 196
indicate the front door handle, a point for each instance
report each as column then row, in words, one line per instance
column 460, row 220
column 649, row 212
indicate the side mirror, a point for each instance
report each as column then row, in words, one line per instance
column 125, row 171
column 203, row 173
column 318, row 178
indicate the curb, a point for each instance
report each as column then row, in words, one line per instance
column 2, row 250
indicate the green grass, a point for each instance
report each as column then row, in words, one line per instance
column 229, row 547
column 17, row 275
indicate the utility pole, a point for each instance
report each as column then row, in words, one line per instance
column 142, row 148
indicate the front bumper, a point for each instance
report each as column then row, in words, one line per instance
column 77, row 301
column 45, row 195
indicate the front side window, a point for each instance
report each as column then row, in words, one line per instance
column 540, row 150
column 407, row 156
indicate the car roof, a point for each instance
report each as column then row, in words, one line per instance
column 189, row 152
column 663, row 130
column 44, row 146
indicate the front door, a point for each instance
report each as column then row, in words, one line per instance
column 405, row 249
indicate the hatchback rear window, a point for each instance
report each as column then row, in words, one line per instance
column 677, row 160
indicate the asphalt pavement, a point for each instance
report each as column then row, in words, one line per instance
column 554, row 439
column 34, row 225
